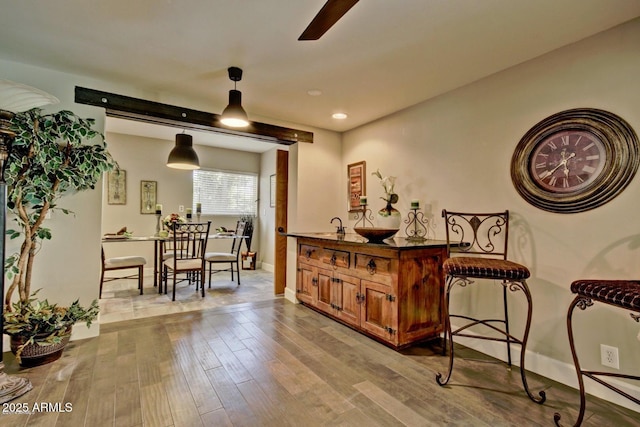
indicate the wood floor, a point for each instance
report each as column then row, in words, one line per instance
column 273, row 363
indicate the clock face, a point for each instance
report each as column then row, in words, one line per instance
column 575, row 160
column 567, row 161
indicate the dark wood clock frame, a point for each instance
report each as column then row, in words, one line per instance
column 620, row 149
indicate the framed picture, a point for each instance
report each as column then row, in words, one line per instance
column 116, row 187
column 272, row 191
column 357, row 182
column 148, row 196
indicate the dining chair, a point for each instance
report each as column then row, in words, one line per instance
column 189, row 245
column 232, row 258
column 122, row 263
column 477, row 254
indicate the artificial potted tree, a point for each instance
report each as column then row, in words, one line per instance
column 49, row 156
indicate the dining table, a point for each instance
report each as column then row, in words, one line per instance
column 158, row 248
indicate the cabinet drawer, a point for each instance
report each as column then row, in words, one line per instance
column 336, row 258
column 373, row 264
column 309, row 252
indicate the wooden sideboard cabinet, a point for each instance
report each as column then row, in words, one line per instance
column 392, row 292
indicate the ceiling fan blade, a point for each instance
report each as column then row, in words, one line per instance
column 330, row 13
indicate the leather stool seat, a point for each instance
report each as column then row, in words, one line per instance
column 485, row 268
column 621, row 293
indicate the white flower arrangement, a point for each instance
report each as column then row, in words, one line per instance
column 171, row 218
column 388, row 183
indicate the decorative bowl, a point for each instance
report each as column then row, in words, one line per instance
column 375, row 234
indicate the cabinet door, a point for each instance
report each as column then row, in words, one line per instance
column 306, row 286
column 378, row 311
column 420, row 305
column 348, row 292
column 326, row 293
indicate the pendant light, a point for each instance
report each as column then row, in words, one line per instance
column 234, row 115
column 183, row 156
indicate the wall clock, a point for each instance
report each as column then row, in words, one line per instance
column 575, row 160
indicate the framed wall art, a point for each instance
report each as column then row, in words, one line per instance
column 117, row 187
column 357, row 183
column 148, row 196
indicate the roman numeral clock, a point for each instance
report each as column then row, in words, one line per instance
column 575, row 160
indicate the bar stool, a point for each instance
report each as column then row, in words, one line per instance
column 624, row 294
column 477, row 249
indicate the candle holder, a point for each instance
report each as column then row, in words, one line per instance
column 198, row 216
column 367, row 217
column 158, row 216
column 189, row 218
column 417, row 226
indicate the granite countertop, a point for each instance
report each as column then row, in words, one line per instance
column 394, row 242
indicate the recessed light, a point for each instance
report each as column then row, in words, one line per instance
column 339, row 116
column 314, row 92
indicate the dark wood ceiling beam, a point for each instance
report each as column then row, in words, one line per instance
column 142, row 110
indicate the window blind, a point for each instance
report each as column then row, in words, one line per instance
column 225, row 192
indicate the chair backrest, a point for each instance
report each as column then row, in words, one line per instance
column 481, row 234
column 240, row 231
column 190, row 240
column 102, row 256
column 248, row 232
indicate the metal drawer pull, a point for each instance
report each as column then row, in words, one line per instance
column 371, row 266
column 333, row 260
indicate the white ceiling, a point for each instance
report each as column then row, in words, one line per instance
column 381, row 57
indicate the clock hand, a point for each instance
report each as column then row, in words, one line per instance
column 563, row 162
column 570, row 156
column 566, row 164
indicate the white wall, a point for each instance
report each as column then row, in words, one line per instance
column 266, row 212
column 454, row 152
column 317, row 192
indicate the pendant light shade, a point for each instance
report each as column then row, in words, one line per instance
column 183, row 156
column 234, row 115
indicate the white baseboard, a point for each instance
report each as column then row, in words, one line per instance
column 267, row 267
column 564, row 373
column 290, row 295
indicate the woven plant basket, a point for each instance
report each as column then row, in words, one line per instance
column 34, row 354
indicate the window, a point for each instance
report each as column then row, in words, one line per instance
column 225, row 193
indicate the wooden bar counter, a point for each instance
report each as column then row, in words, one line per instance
column 390, row 291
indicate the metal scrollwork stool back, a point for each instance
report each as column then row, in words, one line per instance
column 477, row 249
column 623, row 294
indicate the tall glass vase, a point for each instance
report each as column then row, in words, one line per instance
column 389, row 217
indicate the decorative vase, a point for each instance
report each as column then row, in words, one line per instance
column 36, row 355
column 389, row 217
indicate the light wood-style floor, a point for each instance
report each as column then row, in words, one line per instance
column 273, row 363
column 121, row 299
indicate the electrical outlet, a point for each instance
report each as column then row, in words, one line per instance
column 181, row 208
column 609, row 356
